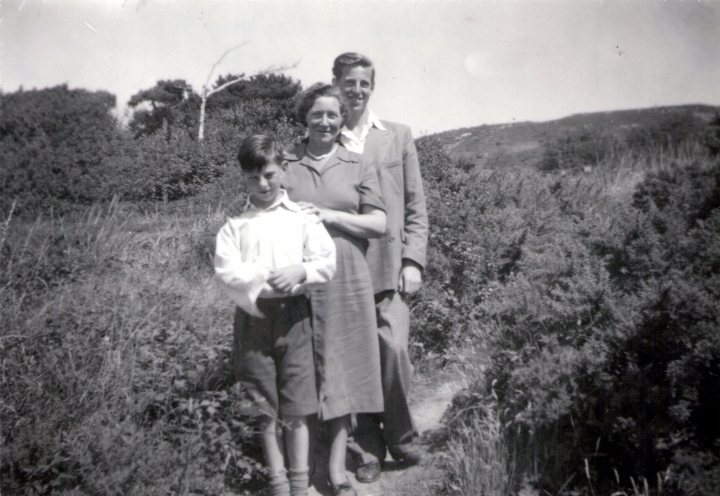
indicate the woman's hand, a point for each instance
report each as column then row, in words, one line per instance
column 236, row 208
column 323, row 214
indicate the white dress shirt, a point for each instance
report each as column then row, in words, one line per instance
column 260, row 240
column 355, row 143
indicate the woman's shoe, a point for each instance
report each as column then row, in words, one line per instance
column 344, row 489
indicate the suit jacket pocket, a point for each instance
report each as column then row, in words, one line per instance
column 393, row 164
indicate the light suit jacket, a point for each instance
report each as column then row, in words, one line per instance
column 393, row 153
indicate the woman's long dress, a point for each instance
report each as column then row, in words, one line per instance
column 344, row 326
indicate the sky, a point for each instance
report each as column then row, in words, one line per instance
column 440, row 64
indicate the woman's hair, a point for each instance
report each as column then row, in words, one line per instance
column 351, row 59
column 307, row 98
column 258, row 150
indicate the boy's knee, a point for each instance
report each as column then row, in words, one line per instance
column 295, row 421
column 268, row 424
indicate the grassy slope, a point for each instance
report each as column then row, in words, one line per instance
column 505, row 145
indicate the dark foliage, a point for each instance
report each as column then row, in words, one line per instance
column 62, row 148
column 599, row 314
column 712, row 135
column 52, row 145
column 167, row 105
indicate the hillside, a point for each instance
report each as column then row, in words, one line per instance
column 524, row 143
column 576, row 306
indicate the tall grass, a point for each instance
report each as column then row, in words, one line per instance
column 478, row 459
column 115, row 345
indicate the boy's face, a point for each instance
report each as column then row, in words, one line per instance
column 357, row 85
column 264, row 185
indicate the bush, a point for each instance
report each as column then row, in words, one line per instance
column 52, row 143
column 62, row 148
column 599, row 314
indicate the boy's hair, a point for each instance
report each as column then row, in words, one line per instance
column 307, row 98
column 351, row 59
column 258, row 150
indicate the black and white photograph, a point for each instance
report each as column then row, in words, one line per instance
column 360, row 247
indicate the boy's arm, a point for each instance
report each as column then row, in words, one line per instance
column 318, row 252
column 241, row 281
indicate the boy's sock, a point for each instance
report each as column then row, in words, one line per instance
column 279, row 484
column 299, row 482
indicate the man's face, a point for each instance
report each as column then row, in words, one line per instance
column 357, row 85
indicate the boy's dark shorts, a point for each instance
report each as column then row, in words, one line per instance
column 274, row 356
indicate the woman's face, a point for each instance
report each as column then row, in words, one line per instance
column 324, row 120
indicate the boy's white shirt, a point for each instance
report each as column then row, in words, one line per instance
column 356, row 144
column 250, row 246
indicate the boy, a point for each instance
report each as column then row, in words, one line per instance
column 264, row 260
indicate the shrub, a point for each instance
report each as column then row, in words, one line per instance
column 62, row 148
column 52, row 143
column 598, row 310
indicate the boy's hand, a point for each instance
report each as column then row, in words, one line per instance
column 283, row 280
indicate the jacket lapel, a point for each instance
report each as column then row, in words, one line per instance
column 377, row 145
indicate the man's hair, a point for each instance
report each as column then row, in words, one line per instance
column 258, row 150
column 351, row 59
column 307, row 98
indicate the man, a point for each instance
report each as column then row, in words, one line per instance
column 396, row 262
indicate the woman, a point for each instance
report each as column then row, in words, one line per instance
column 333, row 183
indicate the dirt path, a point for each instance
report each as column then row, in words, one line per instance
column 430, row 398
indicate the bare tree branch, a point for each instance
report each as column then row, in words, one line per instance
column 229, row 83
column 206, row 92
column 207, row 82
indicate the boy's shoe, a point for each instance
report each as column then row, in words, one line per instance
column 410, row 453
column 368, row 472
column 344, row 489
column 279, row 484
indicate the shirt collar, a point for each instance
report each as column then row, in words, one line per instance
column 372, row 121
column 283, row 200
column 342, row 154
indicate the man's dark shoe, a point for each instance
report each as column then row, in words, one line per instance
column 368, row 472
column 410, row 453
